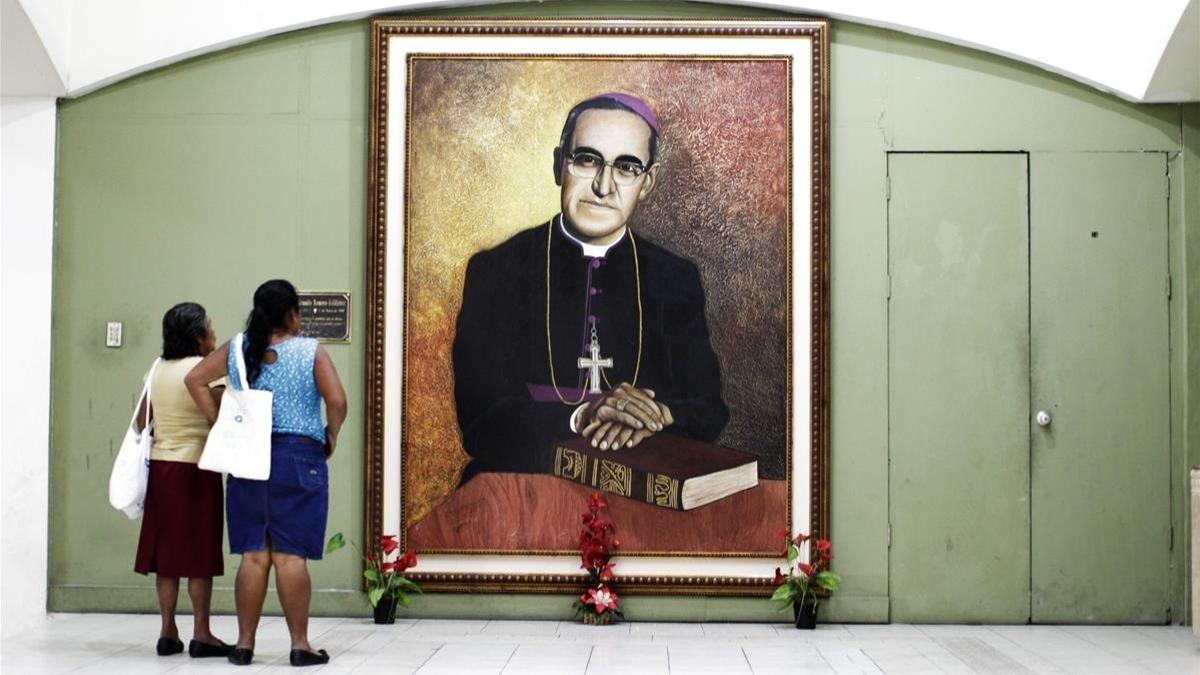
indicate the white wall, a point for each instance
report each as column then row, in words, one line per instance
column 26, row 248
column 51, row 20
column 26, row 66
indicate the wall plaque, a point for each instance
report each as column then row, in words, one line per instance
column 325, row 315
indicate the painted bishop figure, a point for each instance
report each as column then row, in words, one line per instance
column 581, row 326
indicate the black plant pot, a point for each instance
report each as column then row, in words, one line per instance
column 805, row 615
column 604, row 619
column 385, row 611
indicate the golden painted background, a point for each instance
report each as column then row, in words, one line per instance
column 481, row 137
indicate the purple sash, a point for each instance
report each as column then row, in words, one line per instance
column 544, row 393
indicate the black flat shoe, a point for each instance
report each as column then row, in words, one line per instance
column 240, row 656
column 167, row 646
column 300, row 658
column 201, row 650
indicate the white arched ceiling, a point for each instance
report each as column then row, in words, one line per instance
column 26, row 67
column 1145, row 52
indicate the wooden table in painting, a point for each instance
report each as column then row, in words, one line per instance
column 530, row 512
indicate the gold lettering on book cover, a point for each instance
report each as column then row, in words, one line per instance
column 616, row 478
column 663, row 491
column 570, row 464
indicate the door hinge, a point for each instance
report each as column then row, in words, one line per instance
column 1171, row 538
column 887, row 188
column 888, row 291
column 889, row 535
column 1168, row 286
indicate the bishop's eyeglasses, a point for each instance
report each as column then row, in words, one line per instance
column 588, row 164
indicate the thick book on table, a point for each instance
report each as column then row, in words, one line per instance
column 664, row 470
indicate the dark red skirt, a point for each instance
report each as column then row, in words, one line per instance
column 182, row 528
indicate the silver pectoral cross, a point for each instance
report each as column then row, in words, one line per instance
column 595, row 364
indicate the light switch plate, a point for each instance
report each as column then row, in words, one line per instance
column 113, row 337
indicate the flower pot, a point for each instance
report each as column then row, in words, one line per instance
column 385, row 611
column 805, row 615
column 595, row 619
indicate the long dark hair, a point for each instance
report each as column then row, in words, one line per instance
column 273, row 302
column 184, row 327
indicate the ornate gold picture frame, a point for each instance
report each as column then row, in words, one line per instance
column 467, row 166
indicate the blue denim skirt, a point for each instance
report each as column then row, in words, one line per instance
column 289, row 509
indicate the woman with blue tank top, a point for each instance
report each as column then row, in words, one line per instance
column 279, row 522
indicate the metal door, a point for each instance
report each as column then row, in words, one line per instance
column 958, row 387
column 1029, row 390
column 1099, row 319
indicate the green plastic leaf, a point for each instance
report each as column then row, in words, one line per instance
column 374, row 596
column 335, row 542
column 373, row 575
column 406, row 583
column 793, row 553
column 828, row 580
column 784, row 592
column 404, row 600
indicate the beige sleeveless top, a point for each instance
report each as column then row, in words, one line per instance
column 180, row 429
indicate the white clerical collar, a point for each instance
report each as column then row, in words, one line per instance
column 590, row 250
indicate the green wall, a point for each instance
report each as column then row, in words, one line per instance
column 197, row 183
column 200, row 180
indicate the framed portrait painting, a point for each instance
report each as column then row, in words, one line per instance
column 598, row 263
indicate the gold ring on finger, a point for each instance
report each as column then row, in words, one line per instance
column 621, row 403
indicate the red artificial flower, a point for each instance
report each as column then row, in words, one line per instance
column 824, row 549
column 596, row 545
column 806, row 568
column 781, row 533
column 409, row 559
column 800, row 539
column 778, row 576
column 601, row 598
column 388, row 543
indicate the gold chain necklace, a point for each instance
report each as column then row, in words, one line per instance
column 637, row 275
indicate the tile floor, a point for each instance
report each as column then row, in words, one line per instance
column 124, row 644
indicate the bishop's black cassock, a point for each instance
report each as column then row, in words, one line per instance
column 508, row 413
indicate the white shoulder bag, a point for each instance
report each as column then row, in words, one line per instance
column 240, row 442
column 131, row 470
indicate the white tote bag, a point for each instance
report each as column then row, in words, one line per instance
column 240, row 442
column 131, row 470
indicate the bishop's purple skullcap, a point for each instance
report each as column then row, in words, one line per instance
column 635, row 104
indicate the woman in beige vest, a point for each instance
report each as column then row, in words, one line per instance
column 182, row 525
